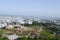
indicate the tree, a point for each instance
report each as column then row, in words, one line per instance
column 5, row 38
column 0, row 37
column 30, row 38
column 21, row 38
column 35, row 23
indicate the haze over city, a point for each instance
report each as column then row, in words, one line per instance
column 50, row 8
column 29, row 19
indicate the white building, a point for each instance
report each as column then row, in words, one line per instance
column 29, row 21
column 3, row 24
column 12, row 37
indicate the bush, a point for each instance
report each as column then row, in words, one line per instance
column 5, row 38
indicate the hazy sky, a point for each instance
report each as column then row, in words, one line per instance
column 30, row 7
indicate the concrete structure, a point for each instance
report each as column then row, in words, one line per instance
column 2, row 24
column 12, row 37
